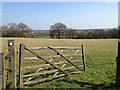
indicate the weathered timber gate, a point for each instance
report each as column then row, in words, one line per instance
column 48, row 67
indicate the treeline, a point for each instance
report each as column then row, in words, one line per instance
column 60, row 31
column 14, row 30
column 39, row 33
column 97, row 34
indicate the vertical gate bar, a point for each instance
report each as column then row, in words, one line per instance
column 83, row 57
column 12, row 64
column 21, row 62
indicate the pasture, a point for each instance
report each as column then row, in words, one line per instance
column 100, row 59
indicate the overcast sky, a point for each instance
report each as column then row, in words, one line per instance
column 78, row 15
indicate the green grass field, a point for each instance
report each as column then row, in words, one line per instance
column 100, row 57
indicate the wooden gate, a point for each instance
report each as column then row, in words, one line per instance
column 55, row 64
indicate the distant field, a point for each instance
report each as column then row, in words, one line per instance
column 100, row 56
column 43, row 37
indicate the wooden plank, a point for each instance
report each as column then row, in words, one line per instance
column 21, row 62
column 8, row 69
column 46, row 57
column 40, row 69
column 2, row 71
column 42, row 80
column 65, row 63
column 51, row 71
column 43, row 65
column 12, row 64
column 14, row 68
column 46, row 48
column 62, row 67
column 83, row 57
column 49, row 78
column 3, row 66
column 64, row 57
column 45, row 60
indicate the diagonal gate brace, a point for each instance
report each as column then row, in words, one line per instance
column 46, row 61
column 64, row 57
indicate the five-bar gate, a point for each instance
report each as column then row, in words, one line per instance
column 39, row 68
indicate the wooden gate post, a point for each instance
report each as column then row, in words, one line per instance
column 2, row 72
column 118, row 58
column 83, row 57
column 118, row 66
column 21, row 58
column 12, row 64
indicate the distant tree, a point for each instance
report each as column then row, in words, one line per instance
column 3, row 30
column 57, row 29
column 14, row 30
column 70, row 33
column 82, row 35
column 52, row 33
column 11, row 29
column 25, row 30
column 12, row 26
column 114, row 33
column 97, row 34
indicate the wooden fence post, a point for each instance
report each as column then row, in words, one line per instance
column 12, row 64
column 2, row 71
column 21, row 60
column 118, row 58
column 118, row 66
column 83, row 57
